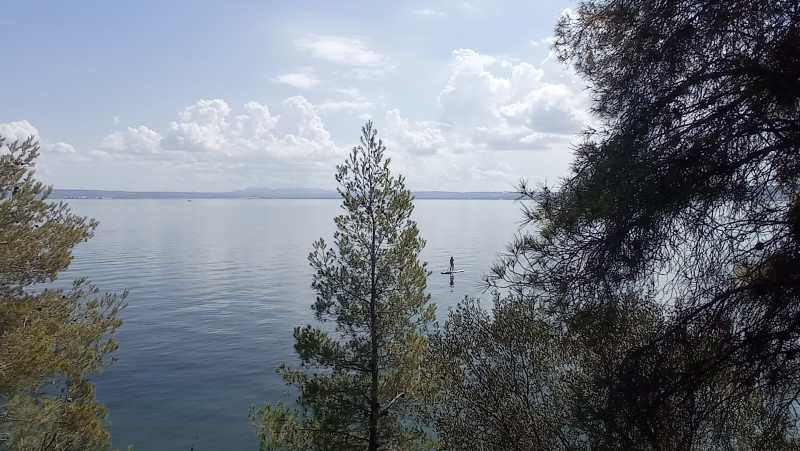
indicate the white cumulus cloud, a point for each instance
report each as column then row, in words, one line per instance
column 495, row 120
column 133, row 141
column 300, row 124
column 422, row 138
column 213, row 145
column 22, row 130
column 18, row 131
column 499, row 120
column 253, row 128
column 502, row 104
column 201, row 127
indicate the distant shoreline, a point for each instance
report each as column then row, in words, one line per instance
column 284, row 193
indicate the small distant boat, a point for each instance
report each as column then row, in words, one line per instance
column 453, row 271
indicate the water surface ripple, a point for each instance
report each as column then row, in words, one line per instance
column 216, row 287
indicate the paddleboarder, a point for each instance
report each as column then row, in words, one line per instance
column 452, row 264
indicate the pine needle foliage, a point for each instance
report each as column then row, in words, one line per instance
column 51, row 340
column 361, row 385
column 666, row 267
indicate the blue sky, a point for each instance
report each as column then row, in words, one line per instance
column 217, row 96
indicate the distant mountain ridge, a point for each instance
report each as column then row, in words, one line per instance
column 263, row 193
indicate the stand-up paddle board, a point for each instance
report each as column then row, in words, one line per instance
column 452, row 272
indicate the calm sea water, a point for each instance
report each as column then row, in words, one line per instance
column 216, row 287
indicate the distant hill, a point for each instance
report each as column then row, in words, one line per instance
column 487, row 195
column 262, row 193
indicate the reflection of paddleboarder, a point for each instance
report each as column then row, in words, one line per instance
column 452, row 264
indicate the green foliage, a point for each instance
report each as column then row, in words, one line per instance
column 519, row 378
column 497, row 375
column 36, row 236
column 50, row 340
column 361, row 385
column 665, row 271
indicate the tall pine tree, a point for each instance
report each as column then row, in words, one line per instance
column 50, row 340
column 361, row 383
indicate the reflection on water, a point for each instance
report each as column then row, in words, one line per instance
column 216, row 287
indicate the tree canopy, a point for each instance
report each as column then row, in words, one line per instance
column 51, row 340
column 361, row 383
column 667, row 265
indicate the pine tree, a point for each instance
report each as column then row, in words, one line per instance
column 361, row 383
column 686, row 198
column 50, row 340
column 665, row 271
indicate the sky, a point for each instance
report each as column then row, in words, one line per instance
column 216, row 96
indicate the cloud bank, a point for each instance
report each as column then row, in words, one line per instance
column 498, row 120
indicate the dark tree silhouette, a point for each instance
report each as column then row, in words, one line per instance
column 687, row 197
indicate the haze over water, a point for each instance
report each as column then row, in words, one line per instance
column 216, row 287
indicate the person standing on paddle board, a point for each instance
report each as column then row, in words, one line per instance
column 452, row 264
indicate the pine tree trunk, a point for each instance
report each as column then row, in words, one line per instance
column 373, row 320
